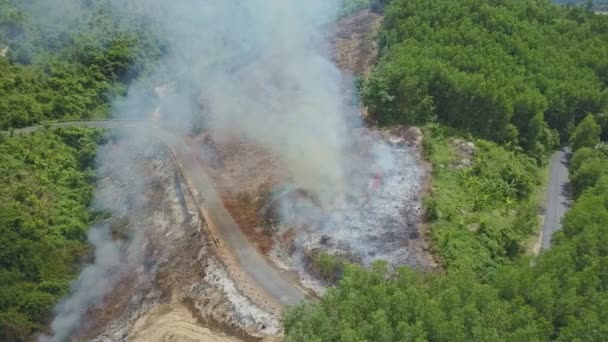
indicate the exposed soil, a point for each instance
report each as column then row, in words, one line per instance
column 174, row 324
column 248, row 176
column 245, row 176
column 173, row 288
column 354, row 43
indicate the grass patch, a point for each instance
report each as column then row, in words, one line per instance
column 482, row 206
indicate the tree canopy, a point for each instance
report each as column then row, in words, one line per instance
column 586, row 134
column 511, row 71
column 68, row 71
column 46, row 181
column 54, row 67
column 522, row 73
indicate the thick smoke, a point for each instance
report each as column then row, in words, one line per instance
column 257, row 69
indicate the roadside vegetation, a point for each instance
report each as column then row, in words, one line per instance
column 480, row 207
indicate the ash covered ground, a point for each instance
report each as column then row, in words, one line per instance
column 168, row 286
column 381, row 223
column 381, row 220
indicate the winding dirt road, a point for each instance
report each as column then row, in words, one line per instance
column 256, row 276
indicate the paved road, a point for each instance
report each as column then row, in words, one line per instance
column 253, row 265
column 557, row 201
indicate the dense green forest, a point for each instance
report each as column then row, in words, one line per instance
column 46, row 180
column 67, row 71
column 57, row 70
column 516, row 71
column 561, row 295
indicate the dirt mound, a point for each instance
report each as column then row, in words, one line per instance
column 174, row 324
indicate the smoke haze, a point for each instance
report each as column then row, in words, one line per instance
column 257, row 69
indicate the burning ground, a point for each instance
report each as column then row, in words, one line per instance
column 381, row 221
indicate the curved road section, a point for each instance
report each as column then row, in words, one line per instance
column 557, row 201
column 256, row 276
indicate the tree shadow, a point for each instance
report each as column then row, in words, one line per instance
column 566, row 192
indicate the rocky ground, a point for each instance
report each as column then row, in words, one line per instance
column 172, row 288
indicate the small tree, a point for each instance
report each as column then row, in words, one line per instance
column 586, row 134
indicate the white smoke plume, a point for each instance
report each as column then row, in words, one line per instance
column 91, row 285
column 257, row 69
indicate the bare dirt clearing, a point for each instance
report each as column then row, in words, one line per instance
column 354, row 44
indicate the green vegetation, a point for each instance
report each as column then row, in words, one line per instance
column 46, row 180
column 526, row 75
column 512, row 71
column 328, row 267
column 562, row 295
column 63, row 68
column 586, row 134
column 481, row 208
column 68, row 72
column 589, row 163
